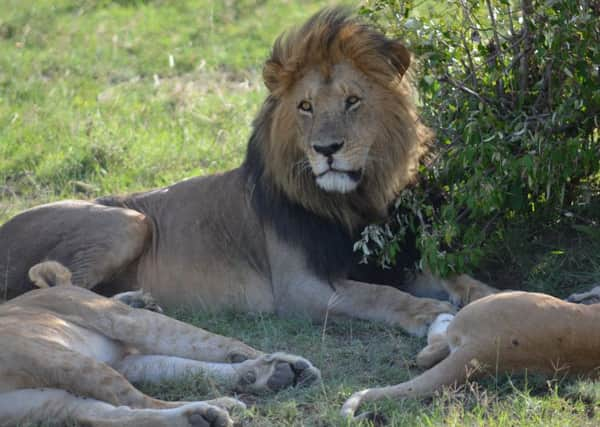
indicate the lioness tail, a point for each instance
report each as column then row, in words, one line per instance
column 50, row 273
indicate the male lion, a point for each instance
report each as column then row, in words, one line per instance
column 336, row 140
column 83, row 349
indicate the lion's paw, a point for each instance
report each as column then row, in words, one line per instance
column 227, row 403
column 202, row 414
column 589, row 297
column 138, row 299
column 277, row 371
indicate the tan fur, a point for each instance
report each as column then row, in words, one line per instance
column 69, row 354
column 50, row 273
column 506, row 332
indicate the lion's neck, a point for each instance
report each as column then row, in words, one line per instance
column 324, row 226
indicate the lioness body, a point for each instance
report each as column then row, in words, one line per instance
column 333, row 144
column 506, row 332
column 67, row 353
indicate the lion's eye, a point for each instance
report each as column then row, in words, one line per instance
column 305, row 106
column 352, row 101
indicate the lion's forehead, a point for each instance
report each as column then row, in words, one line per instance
column 323, row 87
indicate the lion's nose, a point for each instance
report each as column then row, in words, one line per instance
column 328, row 150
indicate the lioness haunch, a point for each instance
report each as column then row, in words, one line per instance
column 505, row 332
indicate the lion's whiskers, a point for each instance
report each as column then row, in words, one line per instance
column 300, row 167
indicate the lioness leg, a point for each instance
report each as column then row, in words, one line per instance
column 48, row 364
column 60, row 407
column 271, row 372
column 156, row 335
column 452, row 370
column 147, row 331
column 590, row 297
column 93, row 241
column 386, row 304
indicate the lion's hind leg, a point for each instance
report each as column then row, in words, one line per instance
column 49, row 364
column 103, row 393
column 432, row 354
column 437, row 342
column 61, row 407
column 452, row 370
column 94, row 242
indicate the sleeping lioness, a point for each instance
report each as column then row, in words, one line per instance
column 502, row 333
column 334, row 143
column 67, row 354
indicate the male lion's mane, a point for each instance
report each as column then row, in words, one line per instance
column 324, row 224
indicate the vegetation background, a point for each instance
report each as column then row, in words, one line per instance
column 101, row 97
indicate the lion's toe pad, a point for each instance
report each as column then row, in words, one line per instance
column 283, row 376
column 277, row 371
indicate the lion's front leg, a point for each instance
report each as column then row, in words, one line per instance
column 464, row 289
column 386, row 304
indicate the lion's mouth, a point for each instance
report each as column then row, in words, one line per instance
column 354, row 175
column 339, row 181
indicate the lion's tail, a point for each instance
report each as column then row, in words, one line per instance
column 50, row 273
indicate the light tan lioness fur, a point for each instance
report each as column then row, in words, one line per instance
column 506, row 332
column 335, row 141
column 68, row 354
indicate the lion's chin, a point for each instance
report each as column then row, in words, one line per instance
column 338, row 182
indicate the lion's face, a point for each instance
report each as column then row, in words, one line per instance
column 339, row 133
column 334, row 116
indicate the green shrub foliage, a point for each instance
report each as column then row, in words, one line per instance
column 513, row 92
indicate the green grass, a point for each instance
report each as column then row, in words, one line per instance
column 88, row 92
column 355, row 354
column 91, row 105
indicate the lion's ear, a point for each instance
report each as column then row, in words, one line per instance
column 399, row 56
column 272, row 73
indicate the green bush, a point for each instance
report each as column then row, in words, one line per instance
column 513, row 93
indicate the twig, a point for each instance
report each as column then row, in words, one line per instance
column 447, row 79
column 6, row 276
column 500, row 86
column 489, row 223
column 524, row 66
column 471, row 68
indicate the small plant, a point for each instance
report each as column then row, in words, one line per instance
column 513, row 92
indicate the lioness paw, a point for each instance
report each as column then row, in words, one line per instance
column 203, row 415
column 589, row 297
column 138, row 299
column 275, row 372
